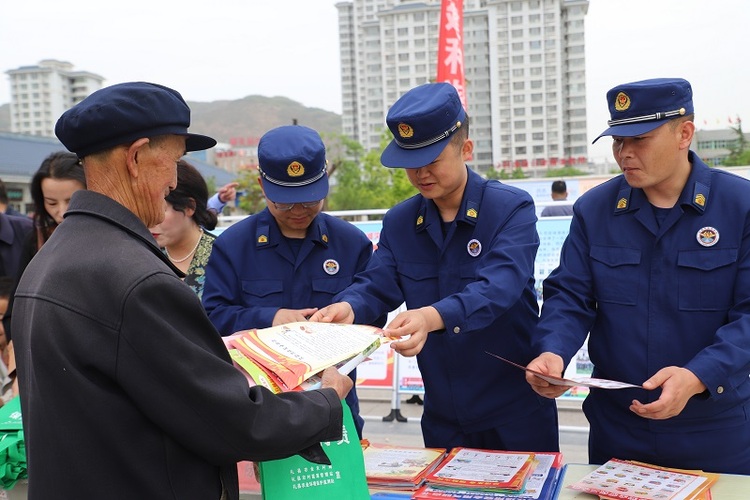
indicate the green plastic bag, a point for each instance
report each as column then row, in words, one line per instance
column 295, row 478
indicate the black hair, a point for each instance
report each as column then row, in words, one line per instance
column 559, row 187
column 460, row 135
column 192, row 192
column 60, row 165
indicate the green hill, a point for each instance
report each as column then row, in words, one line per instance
column 251, row 116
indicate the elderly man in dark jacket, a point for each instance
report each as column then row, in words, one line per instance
column 127, row 390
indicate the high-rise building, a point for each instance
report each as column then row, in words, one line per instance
column 524, row 63
column 40, row 94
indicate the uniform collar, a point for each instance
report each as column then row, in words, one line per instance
column 698, row 187
column 695, row 194
column 268, row 234
column 467, row 213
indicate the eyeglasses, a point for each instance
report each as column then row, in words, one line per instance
column 285, row 207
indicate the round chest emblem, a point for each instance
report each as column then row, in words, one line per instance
column 707, row 236
column 474, row 247
column 331, row 267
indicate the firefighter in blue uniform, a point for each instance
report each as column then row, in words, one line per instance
column 461, row 255
column 281, row 264
column 657, row 268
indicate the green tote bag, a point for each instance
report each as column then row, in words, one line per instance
column 295, row 478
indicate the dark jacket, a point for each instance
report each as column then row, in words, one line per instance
column 13, row 233
column 651, row 295
column 253, row 271
column 480, row 278
column 127, row 390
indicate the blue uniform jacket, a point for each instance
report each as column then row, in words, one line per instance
column 252, row 271
column 480, row 279
column 655, row 296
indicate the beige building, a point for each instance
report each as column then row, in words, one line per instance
column 524, row 63
column 40, row 94
column 715, row 146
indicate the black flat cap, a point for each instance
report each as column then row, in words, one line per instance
column 123, row 113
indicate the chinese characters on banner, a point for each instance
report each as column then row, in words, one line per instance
column 450, row 65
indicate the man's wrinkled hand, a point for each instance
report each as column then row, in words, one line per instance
column 342, row 384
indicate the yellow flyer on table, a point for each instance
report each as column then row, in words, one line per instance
column 297, row 351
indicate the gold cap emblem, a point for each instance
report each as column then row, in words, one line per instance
column 622, row 102
column 295, row 169
column 622, row 203
column 405, row 130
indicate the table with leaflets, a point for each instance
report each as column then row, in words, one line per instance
column 728, row 487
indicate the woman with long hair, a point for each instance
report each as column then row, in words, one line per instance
column 58, row 177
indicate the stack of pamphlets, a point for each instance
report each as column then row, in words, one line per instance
column 289, row 357
column 630, row 480
column 399, row 468
column 474, row 474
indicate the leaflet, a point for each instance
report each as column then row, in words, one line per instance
column 573, row 381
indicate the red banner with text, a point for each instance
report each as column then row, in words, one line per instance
column 450, row 63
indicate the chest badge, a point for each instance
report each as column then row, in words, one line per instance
column 331, row 267
column 707, row 236
column 474, row 247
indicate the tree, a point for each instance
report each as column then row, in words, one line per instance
column 564, row 172
column 361, row 181
column 740, row 154
column 211, row 185
column 494, row 174
column 249, row 195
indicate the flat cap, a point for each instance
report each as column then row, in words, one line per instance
column 123, row 113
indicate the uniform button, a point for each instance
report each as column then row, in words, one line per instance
column 456, row 329
column 719, row 390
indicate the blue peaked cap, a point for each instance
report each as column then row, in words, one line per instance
column 422, row 122
column 639, row 107
column 292, row 163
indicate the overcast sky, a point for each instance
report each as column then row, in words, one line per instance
column 229, row 49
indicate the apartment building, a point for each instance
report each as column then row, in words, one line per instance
column 40, row 94
column 524, row 63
